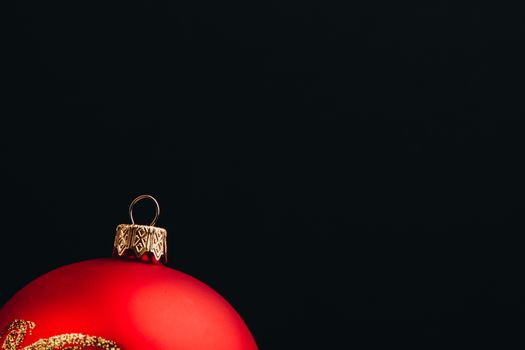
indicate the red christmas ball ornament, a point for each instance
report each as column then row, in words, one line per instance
column 128, row 302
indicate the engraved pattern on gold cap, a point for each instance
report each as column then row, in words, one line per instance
column 141, row 239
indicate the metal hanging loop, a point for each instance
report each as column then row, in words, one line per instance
column 139, row 198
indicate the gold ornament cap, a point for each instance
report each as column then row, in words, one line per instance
column 139, row 240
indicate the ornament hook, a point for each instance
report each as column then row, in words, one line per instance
column 139, row 198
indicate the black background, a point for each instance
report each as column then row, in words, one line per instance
column 346, row 176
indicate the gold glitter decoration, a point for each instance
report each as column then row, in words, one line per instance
column 141, row 239
column 17, row 330
column 72, row 341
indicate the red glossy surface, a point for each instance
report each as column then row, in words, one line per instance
column 138, row 305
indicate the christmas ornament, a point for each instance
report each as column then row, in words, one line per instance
column 128, row 302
